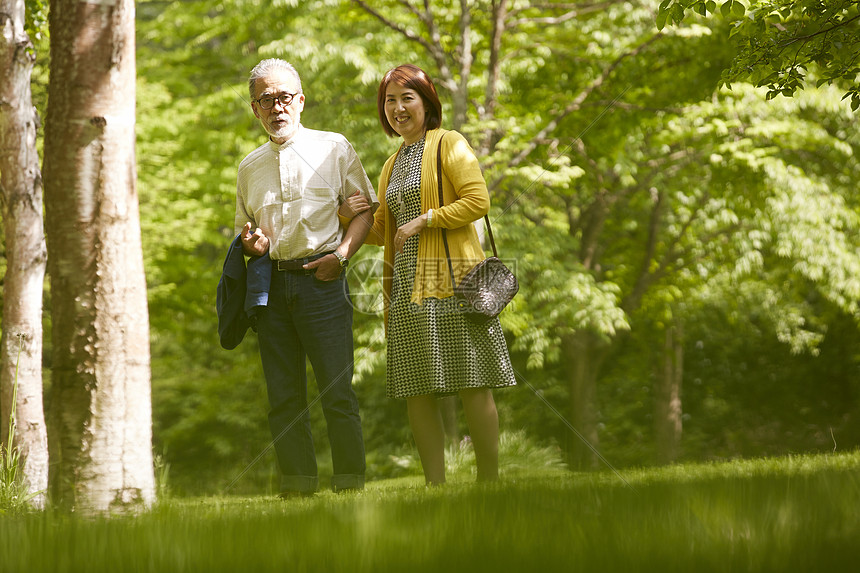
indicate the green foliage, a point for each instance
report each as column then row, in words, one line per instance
column 720, row 210
column 14, row 497
column 731, row 410
column 789, row 513
column 785, row 44
column 36, row 19
column 194, row 126
column 519, row 455
column 654, row 199
column 692, row 206
column 15, row 494
column 162, row 477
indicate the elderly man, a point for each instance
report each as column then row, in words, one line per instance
column 288, row 193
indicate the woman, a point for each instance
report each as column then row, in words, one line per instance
column 433, row 350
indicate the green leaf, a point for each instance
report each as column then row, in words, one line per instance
column 726, row 8
column 661, row 19
column 738, row 9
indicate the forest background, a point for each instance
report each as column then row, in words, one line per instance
column 687, row 252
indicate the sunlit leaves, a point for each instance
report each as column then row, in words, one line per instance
column 778, row 42
column 36, row 15
column 822, row 239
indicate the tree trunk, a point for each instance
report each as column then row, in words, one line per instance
column 100, row 411
column 21, row 195
column 667, row 396
column 487, row 111
column 460, row 99
column 583, row 357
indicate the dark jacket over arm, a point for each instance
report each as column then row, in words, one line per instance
column 241, row 294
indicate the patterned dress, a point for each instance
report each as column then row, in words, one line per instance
column 432, row 348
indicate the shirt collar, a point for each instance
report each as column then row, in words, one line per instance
column 287, row 143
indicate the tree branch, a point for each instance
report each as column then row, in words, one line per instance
column 434, row 48
column 408, row 5
column 571, row 7
column 437, row 52
column 551, row 21
column 819, row 32
column 465, row 57
column 394, row 26
column 572, row 107
column 646, row 278
column 488, row 110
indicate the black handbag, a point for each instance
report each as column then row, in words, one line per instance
column 490, row 285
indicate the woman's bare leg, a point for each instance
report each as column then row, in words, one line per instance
column 426, row 423
column 483, row 420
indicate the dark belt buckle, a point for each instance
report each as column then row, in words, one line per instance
column 292, row 265
column 298, row 264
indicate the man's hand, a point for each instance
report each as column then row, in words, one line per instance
column 328, row 267
column 354, row 204
column 254, row 244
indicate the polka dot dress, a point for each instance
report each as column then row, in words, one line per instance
column 432, row 348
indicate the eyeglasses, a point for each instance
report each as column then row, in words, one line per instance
column 268, row 102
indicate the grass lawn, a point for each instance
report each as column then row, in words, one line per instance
column 797, row 513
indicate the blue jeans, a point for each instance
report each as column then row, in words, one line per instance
column 306, row 317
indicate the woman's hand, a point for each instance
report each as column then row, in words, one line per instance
column 354, row 204
column 411, row 228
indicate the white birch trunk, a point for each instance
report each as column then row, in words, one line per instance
column 100, row 412
column 21, row 194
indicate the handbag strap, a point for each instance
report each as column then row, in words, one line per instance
column 442, row 202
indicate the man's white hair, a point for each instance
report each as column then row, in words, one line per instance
column 265, row 67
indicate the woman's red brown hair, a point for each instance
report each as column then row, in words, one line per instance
column 414, row 78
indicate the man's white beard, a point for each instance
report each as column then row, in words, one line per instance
column 285, row 132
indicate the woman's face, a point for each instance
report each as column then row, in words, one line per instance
column 405, row 112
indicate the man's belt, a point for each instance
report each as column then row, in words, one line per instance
column 297, row 264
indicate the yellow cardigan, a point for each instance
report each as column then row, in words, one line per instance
column 466, row 200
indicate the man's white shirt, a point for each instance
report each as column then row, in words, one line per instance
column 292, row 191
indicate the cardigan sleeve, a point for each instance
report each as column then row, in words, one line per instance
column 461, row 168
